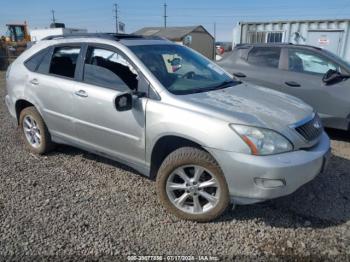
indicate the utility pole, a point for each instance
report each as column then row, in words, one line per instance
column 215, row 31
column 53, row 16
column 214, row 41
column 116, row 18
column 165, row 15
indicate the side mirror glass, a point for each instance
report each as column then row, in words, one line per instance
column 123, row 102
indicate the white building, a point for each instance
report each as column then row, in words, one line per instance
column 332, row 35
column 38, row 34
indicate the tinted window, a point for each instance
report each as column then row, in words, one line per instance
column 64, row 61
column 33, row 63
column 265, row 56
column 109, row 69
column 305, row 61
column 44, row 65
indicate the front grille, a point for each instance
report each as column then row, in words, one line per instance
column 311, row 130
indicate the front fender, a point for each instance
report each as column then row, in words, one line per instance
column 167, row 120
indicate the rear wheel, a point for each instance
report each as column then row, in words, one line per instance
column 191, row 185
column 35, row 132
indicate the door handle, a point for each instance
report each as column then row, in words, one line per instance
column 34, row 82
column 292, row 83
column 81, row 93
column 239, row 74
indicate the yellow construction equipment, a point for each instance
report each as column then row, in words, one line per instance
column 13, row 43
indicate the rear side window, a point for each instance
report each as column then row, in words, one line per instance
column 265, row 56
column 34, row 62
column 64, row 61
column 239, row 53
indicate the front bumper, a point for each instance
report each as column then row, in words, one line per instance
column 254, row 179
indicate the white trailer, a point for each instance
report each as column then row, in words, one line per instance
column 332, row 35
column 38, row 34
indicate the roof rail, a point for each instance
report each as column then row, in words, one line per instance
column 111, row 36
column 247, row 45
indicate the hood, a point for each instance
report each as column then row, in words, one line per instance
column 251, row 105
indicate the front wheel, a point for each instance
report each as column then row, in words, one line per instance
column 191, row 185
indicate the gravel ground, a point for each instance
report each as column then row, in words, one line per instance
column 74, row 205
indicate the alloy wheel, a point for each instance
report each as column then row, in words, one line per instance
column 32, row 131
column 193, row 189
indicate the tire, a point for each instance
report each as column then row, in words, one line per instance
column 45, row 143
column 189, row 160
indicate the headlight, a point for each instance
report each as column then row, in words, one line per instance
column 262, row 141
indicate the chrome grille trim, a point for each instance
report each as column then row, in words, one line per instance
column 310, row 130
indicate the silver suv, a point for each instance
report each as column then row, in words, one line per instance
column 169, row 113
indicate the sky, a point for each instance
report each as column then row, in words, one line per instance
column 98, row 16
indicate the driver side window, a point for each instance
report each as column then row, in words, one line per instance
column 304, row 61
column 109, row 69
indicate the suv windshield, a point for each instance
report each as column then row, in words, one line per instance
column 180, row 70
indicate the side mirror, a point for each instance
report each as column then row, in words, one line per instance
column 123, row 102
column 333, row 77
column 330, row 76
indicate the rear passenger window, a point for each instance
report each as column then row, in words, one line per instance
column 109, row 69
column 33, row 63
column 265, row 56
column 64, row 61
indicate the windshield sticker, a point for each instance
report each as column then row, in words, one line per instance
column 216, row 69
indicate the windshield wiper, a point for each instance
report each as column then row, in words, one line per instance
column 228, row 83
column 224, row 84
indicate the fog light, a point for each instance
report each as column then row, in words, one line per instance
column 269, row 183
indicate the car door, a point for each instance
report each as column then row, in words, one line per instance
column 305, row 69
column 52, row 83
column 259, row 65
column 108, row 73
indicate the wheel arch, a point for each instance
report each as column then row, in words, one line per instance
column 164, row 146
column 20, row 105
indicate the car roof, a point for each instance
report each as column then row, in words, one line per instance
column 289, row 45
column 126, row 39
